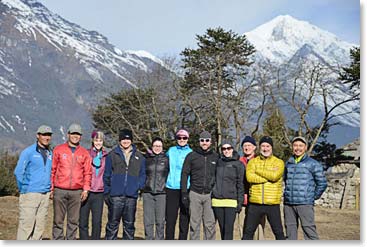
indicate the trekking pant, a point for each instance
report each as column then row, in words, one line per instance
column 253, row 218
column 33, row 209
column 260, row 230
column 201, row 210
column 307, row 217
column 226, row 217
column 125, row 208
column 173, row 203
column 94, row 205
column 66, row 202
column 154, row 206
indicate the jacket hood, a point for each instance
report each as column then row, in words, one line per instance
column 152, row 155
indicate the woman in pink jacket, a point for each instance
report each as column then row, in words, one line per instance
column 94, row 202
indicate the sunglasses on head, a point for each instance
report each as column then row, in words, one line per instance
column 204, row 140
column 227, row 148
column 182, row 138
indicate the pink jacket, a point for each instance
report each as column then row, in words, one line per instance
column 97, row 180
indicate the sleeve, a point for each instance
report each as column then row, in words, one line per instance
column 107, row 175
column 251, row 175
column 320, row 180
column 87, row 172
column 239, row 182
column 19, row 170
column 186, row 169
column 55, row 164
column 272, row 173
column 142, row 174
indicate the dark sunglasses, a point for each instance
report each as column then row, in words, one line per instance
column 227, row 148
column 182, row 138
column 204, row 140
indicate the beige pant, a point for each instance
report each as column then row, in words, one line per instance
column 33, row 209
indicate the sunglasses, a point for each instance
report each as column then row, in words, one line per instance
column 182, row 138
column 204, row 140
column 227, row 148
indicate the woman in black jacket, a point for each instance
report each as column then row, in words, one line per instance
column 154, row 194
column 227, row 196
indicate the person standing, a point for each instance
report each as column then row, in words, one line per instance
column 32, row 175
column 124, row 176
column 154, row 194
column 264, row 173
column 70, row 183
column 248, row 145
column 200, row 166
column 227, row 197
column 94, row 202
column 176, row 156
column 305, row 182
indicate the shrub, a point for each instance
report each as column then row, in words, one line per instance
column 8, row 184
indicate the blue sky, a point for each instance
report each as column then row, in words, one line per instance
column 166, row 27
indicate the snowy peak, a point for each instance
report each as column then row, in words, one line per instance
column 279, row 39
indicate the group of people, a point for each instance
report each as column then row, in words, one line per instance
column 200, row 187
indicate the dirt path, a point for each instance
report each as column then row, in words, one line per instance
column 332, row 224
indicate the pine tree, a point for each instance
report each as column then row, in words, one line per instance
column 351, row 75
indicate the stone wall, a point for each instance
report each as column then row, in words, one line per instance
column 343, row 181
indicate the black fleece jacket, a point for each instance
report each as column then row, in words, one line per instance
column 200, row 167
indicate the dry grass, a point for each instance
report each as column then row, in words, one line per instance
column 332, row 224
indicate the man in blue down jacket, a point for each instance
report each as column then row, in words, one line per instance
column 304, row 183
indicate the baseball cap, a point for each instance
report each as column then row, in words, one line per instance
column 75, row 128
column 44, row 129
column 299, row 138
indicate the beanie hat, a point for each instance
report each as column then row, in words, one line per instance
column 126, row 134
column 226, row 141
column 249, row 139
column 205, row 135
column 266, row 139
column 182, row 132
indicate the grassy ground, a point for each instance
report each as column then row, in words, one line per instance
column 332, row 224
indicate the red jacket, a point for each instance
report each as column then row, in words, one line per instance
column 71, row 171
column 245, row 160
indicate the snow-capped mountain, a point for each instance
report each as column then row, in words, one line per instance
column 279, row 39
column 288, row 42
column 42, row 55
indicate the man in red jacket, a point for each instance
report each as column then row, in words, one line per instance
column 70, row 182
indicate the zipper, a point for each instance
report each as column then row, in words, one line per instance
column 204, row 175
column 155, row 173
column 72, row 168
column 263, row 188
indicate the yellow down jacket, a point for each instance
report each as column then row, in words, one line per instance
column 265, row 176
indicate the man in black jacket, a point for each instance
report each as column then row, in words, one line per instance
column 200, row 166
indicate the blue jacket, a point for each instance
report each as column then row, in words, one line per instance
column 304, row 182
column 176, row 156
column 32, row 173
column 120, row 179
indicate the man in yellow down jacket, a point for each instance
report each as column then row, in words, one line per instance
column 264, row 173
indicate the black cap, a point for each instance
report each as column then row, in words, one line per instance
column 266, row 139
column 249, row 139
column 126, row 134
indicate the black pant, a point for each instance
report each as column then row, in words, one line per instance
column 94, row 204
column 173, row 203
column 253, row 216
column 226, row 217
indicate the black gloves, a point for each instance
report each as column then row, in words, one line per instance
column 239, row 208
column 107, row 200
column 185, row 200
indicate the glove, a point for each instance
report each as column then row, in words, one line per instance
column 107, row 200
column 185, row 200
column 239, row 208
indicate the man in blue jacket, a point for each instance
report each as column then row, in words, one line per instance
column 33, row 176
column 124, row 176
column 304, row 183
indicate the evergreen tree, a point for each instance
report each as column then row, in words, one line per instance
column 351, row 75
column 211, row 71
